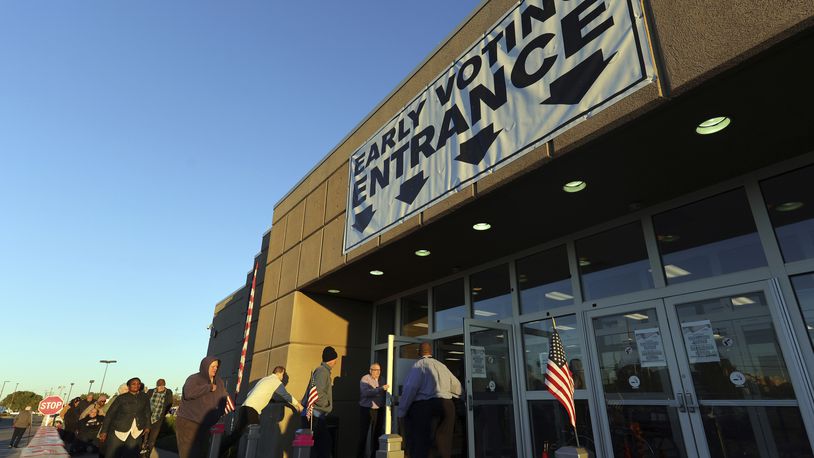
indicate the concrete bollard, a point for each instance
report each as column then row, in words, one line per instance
column 303, row 442
column 389, row 446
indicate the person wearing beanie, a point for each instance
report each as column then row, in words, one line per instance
column 321, row 379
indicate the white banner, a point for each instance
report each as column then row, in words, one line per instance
column 546, row 66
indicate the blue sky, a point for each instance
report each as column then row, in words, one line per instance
column 143, row 146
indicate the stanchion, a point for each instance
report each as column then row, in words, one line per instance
column 217, row 436
column 303, row 442
column 252, row 441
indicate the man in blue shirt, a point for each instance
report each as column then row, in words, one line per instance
column 427, row 394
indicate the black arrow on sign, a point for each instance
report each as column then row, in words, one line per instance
column 409, row 189
column 474, row 150
column 362, row 219
column 570, row 88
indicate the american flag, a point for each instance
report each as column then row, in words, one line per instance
column 230, row 404
column 312, row 398
column 558, row 376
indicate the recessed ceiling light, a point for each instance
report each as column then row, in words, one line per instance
column 422, row 253
column 334, row 291
column 481, row 226
column 376, row 272
column 574, row 186
column 741, row 300
column 558, row 296
column 667, row 238
column 789, row 206
column 584, row 262
column 673, row 271
column 637, row 316
column 712, row 125
column 455, row 352
column 477, row 288
column 484, row 313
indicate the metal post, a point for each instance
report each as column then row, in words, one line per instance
column 252, row 441
column 107, row 363
column 91, row 385
column 70, row 391
column 389, row 443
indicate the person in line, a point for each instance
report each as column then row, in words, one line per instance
column 71, row 422
column 202, row 403
column 89, row 427
column 21, row 423
column 86, row 402
column 268, row 389
column 127, row 419
column 427, row 394
column 371, row 409
column 321, row 379
column 96, row 405
column 160, row 403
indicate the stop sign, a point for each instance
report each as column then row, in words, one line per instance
column 51, row 405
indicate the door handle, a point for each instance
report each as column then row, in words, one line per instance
column 690, row 403
column 682, row 405
column 469, row 402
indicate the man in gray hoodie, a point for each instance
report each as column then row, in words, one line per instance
column 21, row 423
column 321, row 379
column 202, row 403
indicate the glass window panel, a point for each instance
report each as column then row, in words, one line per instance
column 536, row 336
column 385, row 321
column 804, row 289
column 632, row 361
column 380, row 356
column 414, row 315
column 544, row 280
column 645, row 431
column 449, row 305
column 614, row 262
column 755, row 431
column 551, row 429
column 711, row 237
column 790, row 201
column 407, row 356
column 733, row 350
column 495, row 427
column 491, row 293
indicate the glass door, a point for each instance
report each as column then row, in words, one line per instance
column 641, row 391
column 492, row 420
column 740, row 392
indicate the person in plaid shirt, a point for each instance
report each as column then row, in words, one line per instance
column 160, row 403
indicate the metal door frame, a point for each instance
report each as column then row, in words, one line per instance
column 688, row 434
column 511, row 343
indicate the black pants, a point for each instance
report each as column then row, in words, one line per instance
column 245, row 416
column 155, row 429
column 369, row 419
column 117, row 448
column 420, row 427
column 323, row 442
column 16, row 436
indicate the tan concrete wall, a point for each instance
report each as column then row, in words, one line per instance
column 296, row 328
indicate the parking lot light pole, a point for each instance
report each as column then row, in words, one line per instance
column 91, row 385
column 107, row 363
column 70, row 391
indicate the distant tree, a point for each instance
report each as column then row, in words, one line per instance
column 21, row 399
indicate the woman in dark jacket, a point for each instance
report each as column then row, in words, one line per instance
column 71, row 422
column 202, row 404
column 126, row 422
column 88, row 430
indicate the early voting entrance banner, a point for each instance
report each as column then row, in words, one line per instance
column 546, row 66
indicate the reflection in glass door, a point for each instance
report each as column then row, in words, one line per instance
column 636, row 368
column 729, row 346
column 491, row 417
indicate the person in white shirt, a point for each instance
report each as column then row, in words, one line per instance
column 268, row 389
